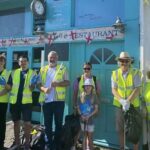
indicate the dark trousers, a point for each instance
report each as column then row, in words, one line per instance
column 53, row 111
column 3, row 110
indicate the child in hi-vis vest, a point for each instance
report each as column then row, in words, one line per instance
column 87, row 108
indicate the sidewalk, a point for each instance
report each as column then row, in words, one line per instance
column 10, row 136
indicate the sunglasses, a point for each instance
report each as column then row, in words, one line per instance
column 87, row 68
column 124, row 61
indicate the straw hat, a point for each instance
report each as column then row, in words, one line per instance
column 124, row 55
column 88, row 82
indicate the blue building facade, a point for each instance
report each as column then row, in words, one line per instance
column 79, row 30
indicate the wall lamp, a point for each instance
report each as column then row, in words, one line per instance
column 119, row 25
column 39, row 30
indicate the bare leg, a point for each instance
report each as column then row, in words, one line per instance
column 121, row 140
column 136, row 146
column 90, row 140
column 84, row 143
column 17, row 132
column 27, row 130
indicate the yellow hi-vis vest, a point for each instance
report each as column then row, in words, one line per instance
column 125, row 86
column 27, row 93
column 146, row 95
column 4, row 98
column 81, row 83
column 60, row 91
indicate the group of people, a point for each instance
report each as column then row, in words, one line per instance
column 52, row 81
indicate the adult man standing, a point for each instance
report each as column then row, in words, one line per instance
column 23, row 82
column 126, row 82
column 54, row 80
column 4, row 88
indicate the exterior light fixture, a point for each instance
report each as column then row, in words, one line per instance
column 119, row 25
column 39, row 30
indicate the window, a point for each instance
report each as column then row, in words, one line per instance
column 61, row 48
column 12, row 22
column 16, row 56
column 37, row 54
column 103, row 56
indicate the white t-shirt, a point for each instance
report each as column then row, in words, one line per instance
column 49, row 78
column 50, row 97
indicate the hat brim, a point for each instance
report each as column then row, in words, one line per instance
column 86, row 85
column 124, row 58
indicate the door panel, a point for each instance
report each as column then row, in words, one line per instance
column 103, row 58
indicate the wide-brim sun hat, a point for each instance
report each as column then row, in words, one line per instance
column 124, row 55
column 88, row 82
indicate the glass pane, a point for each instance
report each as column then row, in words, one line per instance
column 9, row 27
column 61, row 48
column 16, row 56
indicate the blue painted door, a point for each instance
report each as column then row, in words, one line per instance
column 103, row 55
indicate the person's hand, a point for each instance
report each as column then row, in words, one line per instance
column 122, row 101
column 126, row 106
column 2, row 81
column 34, row 79
column 47, row 90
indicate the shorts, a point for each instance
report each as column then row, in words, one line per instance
column 21, row 112
column 87, row 127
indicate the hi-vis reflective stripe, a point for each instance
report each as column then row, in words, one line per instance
column 15, row 85
column 24, row 95
column 147, row 103
column 61, row 92
column 12, row 94
column 27, row 95
column 127, row 88
column 116, row 75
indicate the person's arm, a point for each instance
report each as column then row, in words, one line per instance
column 75, row 93
column 94, row 112
column 41, row 87
column 115, row 93
column 63, row 83
column 98, row 91
column 60, row 84
column 137, row 84
column 134, row 94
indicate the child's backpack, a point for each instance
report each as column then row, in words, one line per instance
column 37, row 139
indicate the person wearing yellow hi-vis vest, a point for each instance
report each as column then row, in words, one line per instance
column 52, row 84
column 21, row 100
column 126, row 83
column 4, row 89
column 146, row 111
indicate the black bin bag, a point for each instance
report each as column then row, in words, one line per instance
column 133, row 125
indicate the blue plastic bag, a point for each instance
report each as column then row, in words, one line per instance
column 2, row 81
